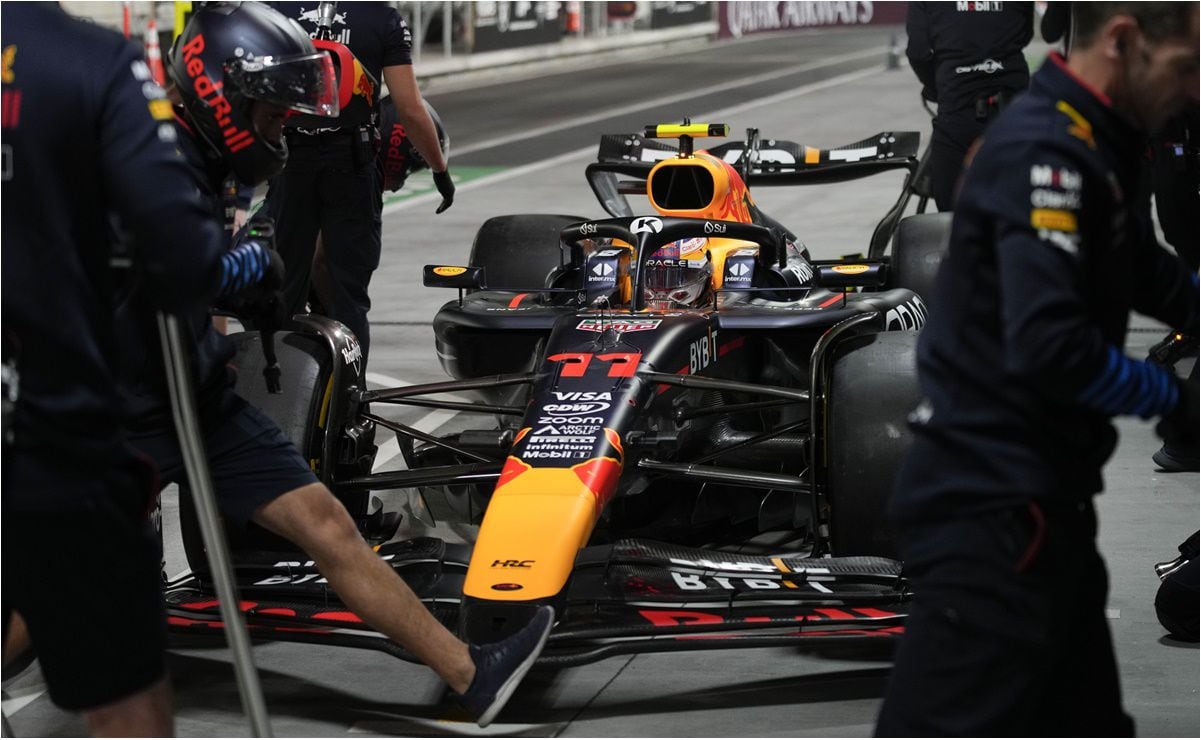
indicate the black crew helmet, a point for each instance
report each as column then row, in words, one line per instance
column 233, row 53
column 398, row 158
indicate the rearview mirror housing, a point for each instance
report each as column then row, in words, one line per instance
column 851, row 275
column 453, row 276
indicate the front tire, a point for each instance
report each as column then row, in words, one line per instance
column 307, row 366
column 873, row 388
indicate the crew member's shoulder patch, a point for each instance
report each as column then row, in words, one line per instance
column 10, row 58
column 1055, row 203
column 1079, row 126
column 161, row 110
column 1055, row 219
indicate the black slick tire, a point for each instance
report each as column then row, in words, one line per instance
column 873, row 388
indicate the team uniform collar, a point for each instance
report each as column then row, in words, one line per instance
column 1057, row 81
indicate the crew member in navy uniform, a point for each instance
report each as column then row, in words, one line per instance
column 270, row 67
column 87, row 133
column 330, row 186
column 1176, row 179
column 1021, row 369
column 1175, row 172
column 969, row 59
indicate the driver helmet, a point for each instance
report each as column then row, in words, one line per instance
column 678, row 275
column 232, row 54
column 398, row 158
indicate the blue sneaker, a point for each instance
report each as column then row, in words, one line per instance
column 500, row 666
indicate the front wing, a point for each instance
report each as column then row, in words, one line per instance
column 634, row 596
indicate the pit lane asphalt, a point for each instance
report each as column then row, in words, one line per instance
column 323, row 691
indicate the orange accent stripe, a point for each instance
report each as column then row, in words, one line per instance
column 517, row 299
column 832, row 300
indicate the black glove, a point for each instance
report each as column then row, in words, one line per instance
column 446, row 187
column 1179, row 426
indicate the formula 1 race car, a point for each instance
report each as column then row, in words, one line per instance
column 656, row 394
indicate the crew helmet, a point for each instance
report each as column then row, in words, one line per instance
column 231, row 54
column 398, row 158
column 677, row 275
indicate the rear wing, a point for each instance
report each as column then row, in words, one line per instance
column 625, row 160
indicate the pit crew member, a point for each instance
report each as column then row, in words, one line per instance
column 1022, row 368
column 969, row 59
column 69, row 474
column 330, row 185
column 269, row 67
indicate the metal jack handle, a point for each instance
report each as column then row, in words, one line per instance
column 176, row 358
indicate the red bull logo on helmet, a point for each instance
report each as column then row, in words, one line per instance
column 212, row 94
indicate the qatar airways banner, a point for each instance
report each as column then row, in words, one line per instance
column 737, row 19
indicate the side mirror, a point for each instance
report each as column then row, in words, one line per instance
column 851, row 275
column 451, row 276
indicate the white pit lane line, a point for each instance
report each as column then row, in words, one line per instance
column 590, row 150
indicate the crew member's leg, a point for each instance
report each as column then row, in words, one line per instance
column 1083, row 695
column 322, row 290
column 977, row 647
column 1180, row 455
column 18, row 650
column 100, row 636
column 313, row 519
column 953, row 135
column 146, row 713
column 292, row 201
column 258, row 475
column 350, row 231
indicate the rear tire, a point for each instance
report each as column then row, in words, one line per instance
column 519, row 251
column 917, row 251
column 873, row 388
